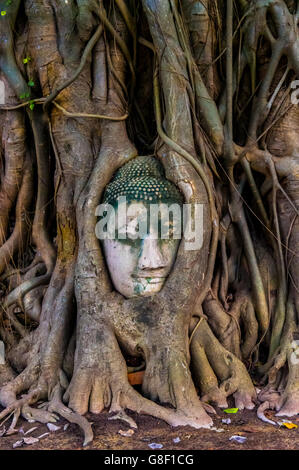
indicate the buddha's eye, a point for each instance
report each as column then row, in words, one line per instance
column 132, row 231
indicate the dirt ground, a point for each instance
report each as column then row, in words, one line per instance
column 259, row 435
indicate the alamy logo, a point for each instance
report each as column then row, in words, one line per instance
column 158, row 221
column 295, row 93
column 2, row 92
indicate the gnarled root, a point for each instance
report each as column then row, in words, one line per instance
column 167, row 379
column 225, row 325
column 218, row 372
column 50, row 412
column 282, row 391
column 100, row 381
column 289, row 401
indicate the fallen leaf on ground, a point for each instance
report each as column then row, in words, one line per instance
column 154, row 445
column 128, row 433
column 17, row 444
column 30, row 440
column 226, row 420
column 231, row 410
column 52, row 427
column 290, row 425
column 239, row 439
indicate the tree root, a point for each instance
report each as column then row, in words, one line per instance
column 167, row 379
column 100, row 381
column 218, row 372
column 289, row 401
column 122, row 416
column 223, row 324
column 261, row 410
column 56, row 406
column 54, row 409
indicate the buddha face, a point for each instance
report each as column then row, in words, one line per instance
column 140, row 263
column 145, row 237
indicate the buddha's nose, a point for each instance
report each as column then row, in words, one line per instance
column 151, row 256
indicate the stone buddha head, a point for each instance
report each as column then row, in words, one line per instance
column 144, row 227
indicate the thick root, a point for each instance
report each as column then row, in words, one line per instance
column 167, row 379
column 119, row 395
column 49, row 412
column 289, row 402
column 289, row 405
column 218, row 372
column 282, row 395
column 42, row 416
column 101, row 384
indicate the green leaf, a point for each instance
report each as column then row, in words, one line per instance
column 8, row 2
column 31, row 83
column 26, row 60
column 231, row 410
column 24, row 95
column 31, row 105
column 3, row 13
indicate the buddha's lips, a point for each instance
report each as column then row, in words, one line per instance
column 150, row 279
